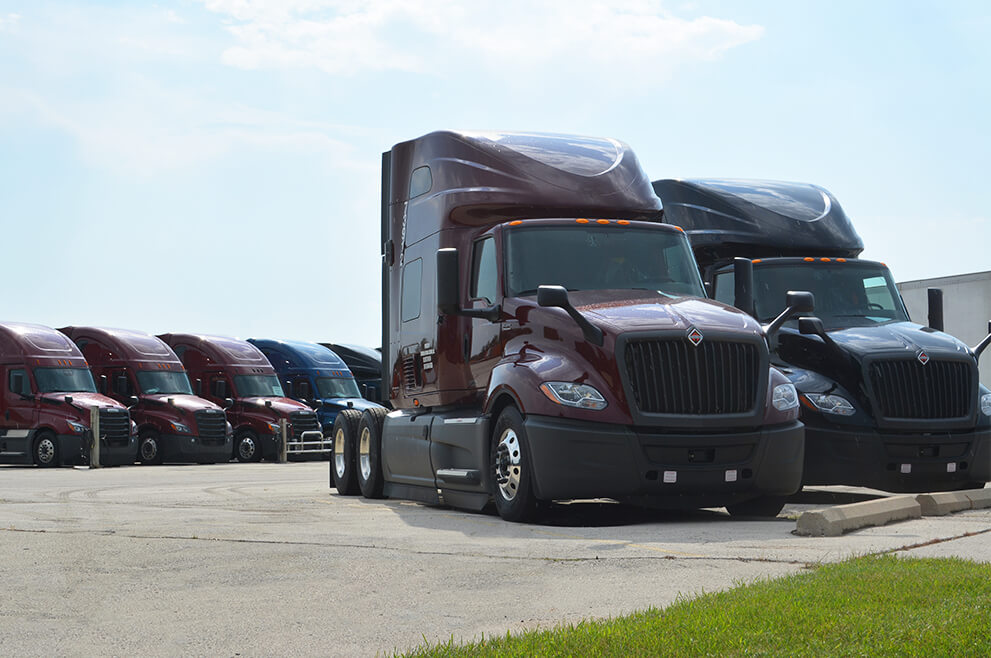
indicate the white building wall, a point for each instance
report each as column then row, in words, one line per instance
column 966, row 308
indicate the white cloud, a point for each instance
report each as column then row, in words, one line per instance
column 510, row 37
column 9, row 21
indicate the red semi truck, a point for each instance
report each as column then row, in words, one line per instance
column 174, row 425
column 580, row 360
column 223, row 367
column 48, row 396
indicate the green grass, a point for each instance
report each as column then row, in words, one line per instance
column 870, row 606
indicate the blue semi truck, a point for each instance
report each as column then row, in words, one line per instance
column 314, row 374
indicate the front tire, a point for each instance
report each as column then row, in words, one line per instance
column 150, row 448
column 370, row 452
column 246, row 447
column 343, row 466
column 764, row 506
column 510, row 465
column 45, row 450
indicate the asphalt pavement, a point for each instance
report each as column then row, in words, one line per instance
column 266, row 559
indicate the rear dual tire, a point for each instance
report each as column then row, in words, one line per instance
column 343, row 463
column 369, row 456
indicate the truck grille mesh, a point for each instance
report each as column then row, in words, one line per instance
column 676, row 377
column 115, row 426
column 303, row 421
column 907, row 389
column 211, row 426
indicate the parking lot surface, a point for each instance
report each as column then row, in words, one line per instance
column 266, row 559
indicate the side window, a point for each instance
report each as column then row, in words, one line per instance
column 17, row 382
column 725, row 288
column 484, row 275
column 420, row 181
column 412, row 278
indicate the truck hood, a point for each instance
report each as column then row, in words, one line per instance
column 618, row 311
column 342, row 403
column 85, row 401
column 280, row 406
column 187, row 403
column 897, row 337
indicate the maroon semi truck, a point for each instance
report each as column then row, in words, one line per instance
column 48, row 397
column 579, row 360
column 174, row 425
column 223, row 367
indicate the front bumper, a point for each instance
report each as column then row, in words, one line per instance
column 311, row 442
column 575, row 459
column 939, row 461
column 187, row 448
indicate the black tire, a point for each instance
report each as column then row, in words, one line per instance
column 149, row 448
column 247, row 448
column 369, row 455
column 510, row 465
column 765, row 506
column 45, row 450
column 343, row 466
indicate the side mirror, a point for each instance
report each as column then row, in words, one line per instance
column 220, row 389
column 132, row 401
column 557, row 297
column 287, row 389
column 797, row 304
column 811, row 326
column 304, row 390
column 743, row 285
column 120, row 385
column 268, row 403
column 449, row 290
column 935, row 296
column 17, row 384
column 198, row 386
column 364, row 391
column 981, row 346
column 104, row 382
column 228, row 403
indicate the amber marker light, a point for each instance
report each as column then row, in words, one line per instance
column 602, row 221
column 841, row 260
column 757, row 260
column 808, row 259
column 582, row 221
column 825, row 260
column 806, row 402
column 516, row 222
column 624, row 222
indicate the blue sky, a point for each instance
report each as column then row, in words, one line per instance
column 213, row 165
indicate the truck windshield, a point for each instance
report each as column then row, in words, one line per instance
column 591, row 257
column 64, row 380
column 260, row 386
column 337, row 387
column 154, row 382
column 846, row 294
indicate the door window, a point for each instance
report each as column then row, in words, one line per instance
column 18, row 383
column 484, row 275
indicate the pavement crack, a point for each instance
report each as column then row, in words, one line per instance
column 934, row 542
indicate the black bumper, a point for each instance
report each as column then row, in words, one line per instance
column 573, row 459
column 940, row 461
column 186, row 448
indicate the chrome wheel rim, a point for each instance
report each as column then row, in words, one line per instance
column 149, row 448
column 246, row 449
column 364, row 459
column 46, row 451
column 339, row 453
column 508, row 470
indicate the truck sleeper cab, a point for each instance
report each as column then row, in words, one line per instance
column 887, row 403
column 314, row 374
column 174, row 425
column 223, row 367
column 365, row 365
column 48, row 397
column 579, row 360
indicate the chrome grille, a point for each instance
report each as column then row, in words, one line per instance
column 675, row 377
column 211, row 426
column 115, row 426
column 303, row 421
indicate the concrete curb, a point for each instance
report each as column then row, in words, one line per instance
column 941, row 504
column 834, row 521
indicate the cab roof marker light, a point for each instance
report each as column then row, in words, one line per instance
column 825, row 260
column 841, row 260
column 602, row 221
column 582, row 220
column 623, row 222
column 516, row 222
column 756, row 260
column 808, row 259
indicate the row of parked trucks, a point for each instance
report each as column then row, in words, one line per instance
column 557, row 326
column 174, row 397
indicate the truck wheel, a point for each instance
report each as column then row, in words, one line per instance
column 370, row 453
column 766, row 506
column 45, row 450
column 246, row 447
column 509, row 462
column 343, row 466
column 149, row 448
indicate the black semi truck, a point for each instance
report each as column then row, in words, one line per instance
column 887, row 403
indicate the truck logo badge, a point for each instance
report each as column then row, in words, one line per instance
column 695, row 336
column 922, row 357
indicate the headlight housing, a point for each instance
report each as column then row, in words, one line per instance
column 831, row 404
column 569, row 394
column 274, row 427
column 784, row 397
column 180, row 428
column 77, row 428
column 986, row 404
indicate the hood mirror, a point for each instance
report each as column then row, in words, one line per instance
column 557, row 297
column 811, row 326
column 228, row 403
column 798, row 302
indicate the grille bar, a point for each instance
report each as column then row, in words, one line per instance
column 211, row 426
column 674, row 377
column 303, row 421
column 115, row 426
column 907, row 389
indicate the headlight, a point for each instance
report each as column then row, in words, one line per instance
column 831, row 404
column 230, row 429
column 134, row 428
column 180, row 428
column 274, row 427
column 77, row 428
column 986, row 404
column 569, row 394
column 784, row 397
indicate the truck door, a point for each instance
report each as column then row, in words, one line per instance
column 18, row 413
column 485, row 344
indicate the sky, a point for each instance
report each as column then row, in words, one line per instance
column 212, row 166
